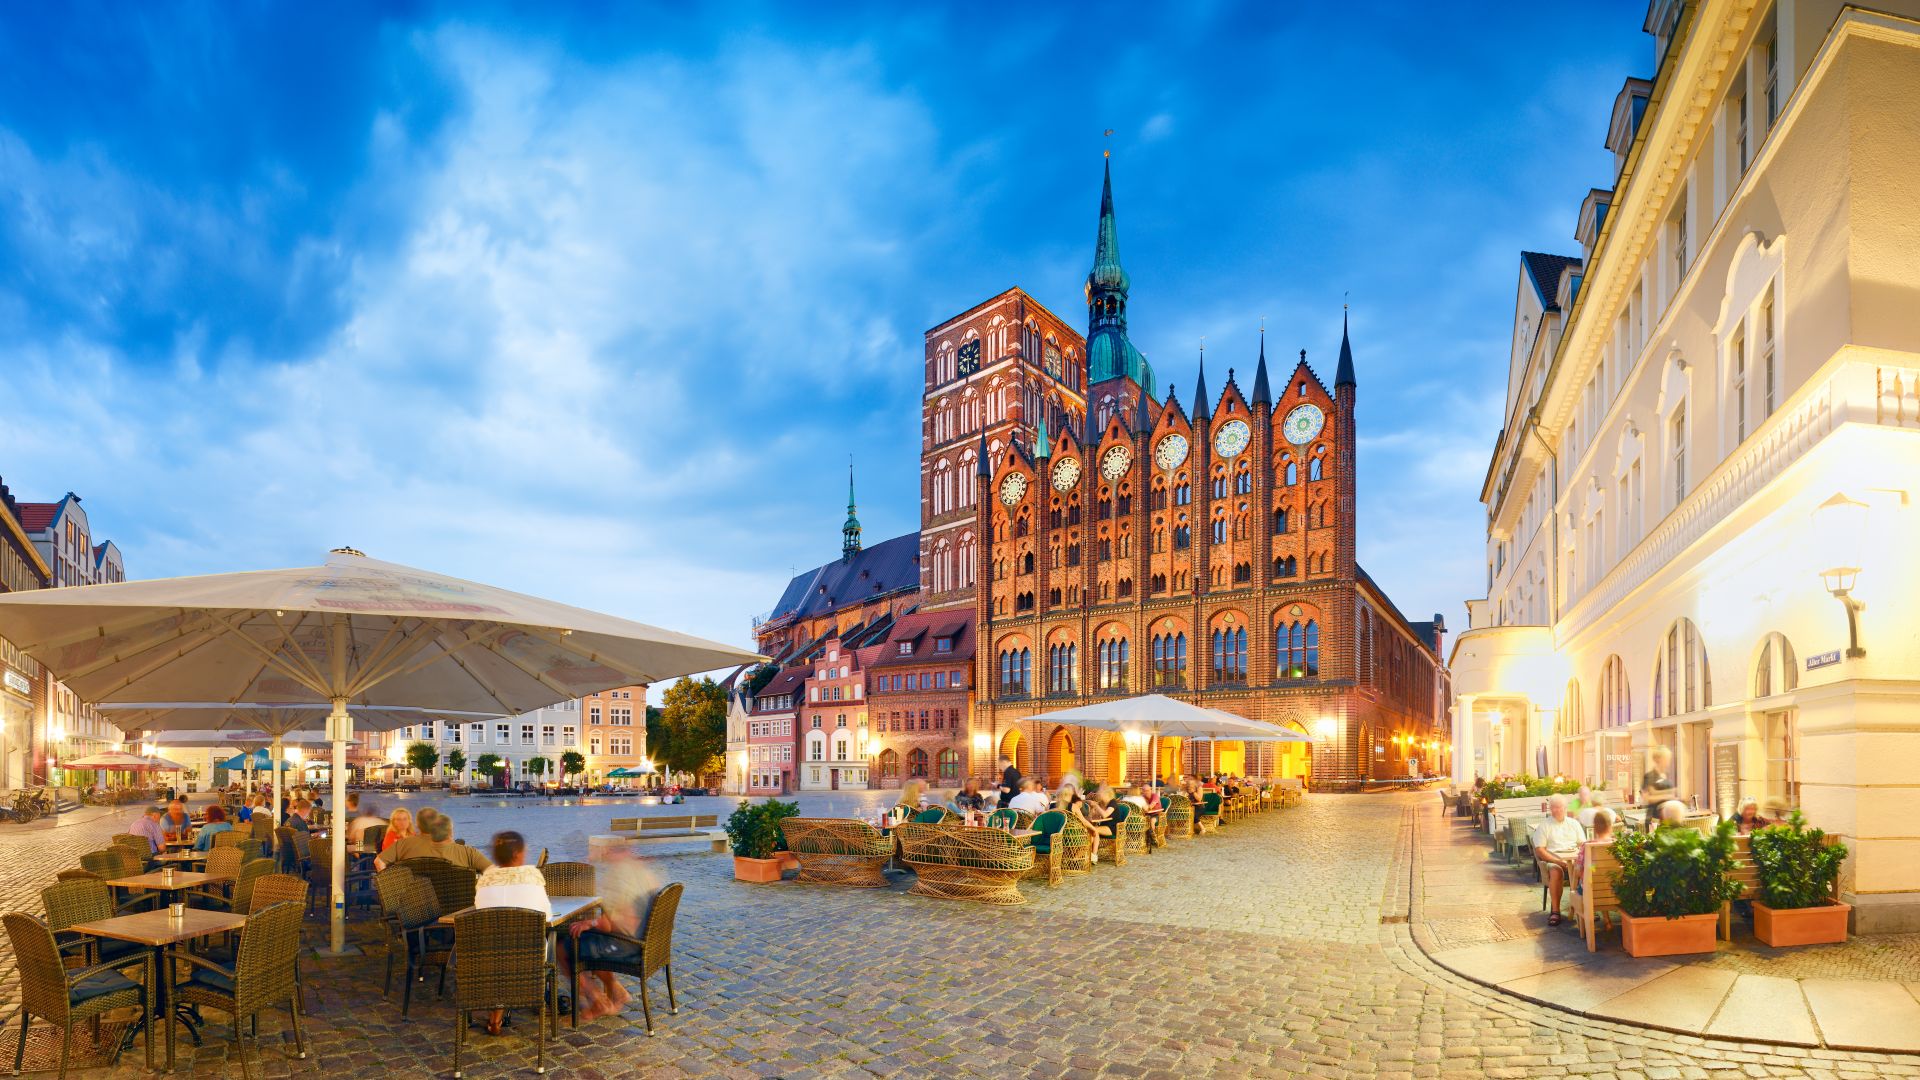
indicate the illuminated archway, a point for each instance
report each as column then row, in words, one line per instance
column 1116, row 759
column 1010, row 748
column 1059, row 756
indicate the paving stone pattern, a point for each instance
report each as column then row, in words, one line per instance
column 1274, row 948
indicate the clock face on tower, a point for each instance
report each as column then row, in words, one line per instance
column 1303, row 423
column 1113, row 465
column 1231, row 438
column 1169, row 452
column 969, row 357
column 1012, row 489
column 1066, row 473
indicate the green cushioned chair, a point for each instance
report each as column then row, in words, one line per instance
column 1003, row 819
column 933, row 815
column 1047, row 848
column 1207, row 814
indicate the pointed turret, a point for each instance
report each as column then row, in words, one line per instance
column 1143, row 416
column 1109, row 354
column 984, row 469
column 850, row 531
column 1343, row 376
column 1042, row 449
column 1261, row 394
column 1107, row 272
column 1200, row 405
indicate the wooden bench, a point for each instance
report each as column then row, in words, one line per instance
column 1596, row 889
column 838, row 851
column 1747, row 874
column 964, row 862
column 671, row 828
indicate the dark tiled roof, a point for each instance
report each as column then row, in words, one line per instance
column 1428, row 632
column 1544, row 270
column 36, row 517
column 787, row 682
column 887, row 567
column 923, row 628
column 1367, row 580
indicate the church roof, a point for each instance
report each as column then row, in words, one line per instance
column 921, row 629
column 1107, row 270
column 1111, row 355
column 1343, row 376
column 887, row 567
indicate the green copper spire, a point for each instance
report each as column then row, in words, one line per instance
column 1041, row 447
column 1109, row 354
column 850, row 532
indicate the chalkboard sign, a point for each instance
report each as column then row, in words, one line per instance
column 1726, row 778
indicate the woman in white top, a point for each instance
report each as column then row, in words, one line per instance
column 510, row 882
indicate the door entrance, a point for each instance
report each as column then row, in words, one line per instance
column 833, row 779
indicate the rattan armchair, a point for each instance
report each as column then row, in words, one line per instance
column 933, row 815
column 1076, row 847
column 271, row 889
column 260, row 827
column 960, row 862
column 1111, row 835
column 138, row 845
column 1179, row 816
column 500, row 962
column 228, row 838
column 1135, row 825
column 1023, row 819
column 79, row 900
column 569, row 878
column 640, row 957
column 1047, row 848
column 412, row 915
column 236, row 896
column 453, row 886
column 838, row 851
column 1004, row 818
column 61, row 997
column 263, row 975
column 1206, row 816
column 359, row 880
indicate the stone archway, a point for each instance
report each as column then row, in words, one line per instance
column 1059, row 757
column 1010, row 749
column 1116, row 759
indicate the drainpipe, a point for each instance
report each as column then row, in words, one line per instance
column 1553, row 513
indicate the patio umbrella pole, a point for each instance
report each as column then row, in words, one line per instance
column 278, row 765
column 339, row 730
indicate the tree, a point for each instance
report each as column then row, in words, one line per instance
column 422, row 757
column 693, row 724
column 572, row 763
column 537, row 766
column 759, row 677
column 456, row 760
column 488, row 765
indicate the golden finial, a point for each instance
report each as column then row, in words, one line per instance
column 1108, row 152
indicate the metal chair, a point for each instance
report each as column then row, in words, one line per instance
column 500, row 962
column 639, row 957
column 264, row 974
column 64, row 998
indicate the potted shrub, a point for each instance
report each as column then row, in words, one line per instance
column 1671, row 885
column 1798, row 868
column 753, row 833
column 780, row 811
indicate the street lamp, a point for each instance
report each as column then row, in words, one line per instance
column 1840, row 527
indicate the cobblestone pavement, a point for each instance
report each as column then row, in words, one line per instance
column 1277, row 947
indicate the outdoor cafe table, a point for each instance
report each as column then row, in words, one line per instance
column 182, row 857
column 156, row 881
column 160, row 932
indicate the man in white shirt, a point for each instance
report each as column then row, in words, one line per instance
column 1590, row 801
column 1031, row 798
column 1555, row 843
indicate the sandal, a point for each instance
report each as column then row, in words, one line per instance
column 1553, row 919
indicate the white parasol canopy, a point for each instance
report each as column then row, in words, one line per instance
column 1159, row 715
column 351, row 632
column 121, row 761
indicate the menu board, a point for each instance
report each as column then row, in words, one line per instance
column 1726, row 778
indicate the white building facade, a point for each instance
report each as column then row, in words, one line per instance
column 543, row 733
column 1712, row 446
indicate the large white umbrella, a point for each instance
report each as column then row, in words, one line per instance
column 352, row 631
column 1158, row 715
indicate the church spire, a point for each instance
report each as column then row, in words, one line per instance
column 850, row 532
column 1041, row 447
column 1107, row 274
column 1344, row 375
column 1109, row 354
column 1261, row 394
column 1200, row 409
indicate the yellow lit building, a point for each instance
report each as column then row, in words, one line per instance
column 1711, row 451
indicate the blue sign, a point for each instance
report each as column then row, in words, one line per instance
column 1825, row 659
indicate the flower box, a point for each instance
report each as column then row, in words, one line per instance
column 1781, row 927
column 1656, row 935
column 755, row 870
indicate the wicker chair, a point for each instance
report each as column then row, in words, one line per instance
column 932, row 815
column 1047, row 848
column 1206, row 816
column 1005, row 818
column 359, row 880
column 640, row 957
column 229, row 838
column 140, row 846
column 960, row 862
column 412, row 917
column 264, row 975
column 452, row 885
column 112, row 862
column 1179, row 817
column 569, row 878
column 236, row 896
column 373, row 837
column 500, row 962
column 260, row 827
column 64, row 998
column 271, row 889
column 1111, row 835
column 1076, row 847
column 81, row 900
column 836, row 851
column 1136, row 827
column 1023, row 819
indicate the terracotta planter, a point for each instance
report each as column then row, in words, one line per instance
column 788, row 860
column 1780, row 927
column 1657, row 936
column 755, row 870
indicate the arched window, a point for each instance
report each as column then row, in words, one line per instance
column 949, row 765
column 1220, row 530
column 1681, row 681
column 916, row 764
column 1170, row 660
column 889, row 765
column 1230, row 654
column 1113, row 664
column 1293, row 474
column 1062, row 660
column 1279, row 520
column 1243, row 482
column 1182, row 537
column 1296, row 647
column 1777, row 671
column 1313, row 470
column 1182, row 493
column 1615, row 706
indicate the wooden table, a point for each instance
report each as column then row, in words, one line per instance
column 565, row 910
column 161, row 932
column 156, row 881
column 181, row 857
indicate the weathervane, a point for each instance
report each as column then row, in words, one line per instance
column 1108, row 152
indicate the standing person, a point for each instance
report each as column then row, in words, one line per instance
column 1556, row 841
column 1009, row 781
column 1656, row 785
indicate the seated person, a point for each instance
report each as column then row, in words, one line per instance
column 1671, row 812
column 1031, row 798
column 1097, row 811
column 359, row 820
column 1591, row 803
column 1556, row 841
column 216, row 824
column 177, row 821
column 510, row 882
column 1749, row 819
column 969, row 799
column 913, row 795
column 435, row 841
column 297, row 815
column 148, row 825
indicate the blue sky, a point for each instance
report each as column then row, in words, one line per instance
column 594, row 302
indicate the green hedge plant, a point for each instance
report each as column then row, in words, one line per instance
column 754, row 831
column 778, row 812
column 1797, row 866
column 1675, row 871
